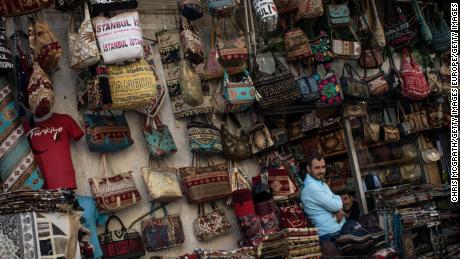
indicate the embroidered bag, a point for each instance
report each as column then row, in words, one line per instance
column 329, row 89
column 260, row 138
column 235, row 147
column 67, row 5
column 277, row 90
column 44, row 45
column 204, row 137
column 424, row 30
column 132, row 86
column 98, row 91
column 82, row 45
column 297, row 45
column 205, row 184
column 104, row 6
column 114, row 193
column 221, row 8
column 291, row 215
column 222, row 105
column 107, row 133
column 124, row 243
column 122, row 42
column 190, row 85
column 18, row 8
column 353, row 86
column 321, row 48
column 346, row 49
column 267, row 14
column 397, row 29
column 190, row 9
column 191, row 42
column 40, row 94
column 240, row 93
column 338, row 15
column 212, row 224
column 6, row 58
column 162, row 233
column 440, row 31
column 283, row 6
column 231, row 44
column 377, row 84
column 414, row 85
column 310, row 9
column 162, row 183
column 158, row 138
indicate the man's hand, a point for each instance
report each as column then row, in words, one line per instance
column 339, row 215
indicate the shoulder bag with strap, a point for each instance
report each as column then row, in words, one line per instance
column 161, row 182
column 414, row 85
column 236, row 147
column 204, row 137
column 212, row 224
column 353, row 86
column 397, row 28
column 439, row 30
column 158, row 138
column 338, row 14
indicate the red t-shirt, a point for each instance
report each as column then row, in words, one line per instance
column 50, row 142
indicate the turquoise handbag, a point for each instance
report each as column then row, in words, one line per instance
column 107, row 133
column 221, row 8
column 440, row 31
column 158, row 138
column 338, row 15
column 424, row 29
column 204, row 137
column 241, row 93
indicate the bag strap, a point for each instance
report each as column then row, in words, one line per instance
column 385, row 110
column 350, row 70
column 104, row 165
column 113, row 216
column 150, row 212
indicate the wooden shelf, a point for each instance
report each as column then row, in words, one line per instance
column 374, row 145
column 335, row 154
column 387, row 163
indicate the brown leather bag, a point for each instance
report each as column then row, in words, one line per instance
column 235, row 147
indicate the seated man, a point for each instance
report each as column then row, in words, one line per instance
column 350, row 206
column 322, row 206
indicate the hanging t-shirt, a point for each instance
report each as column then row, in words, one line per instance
column 50, row 142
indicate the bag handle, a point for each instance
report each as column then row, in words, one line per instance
column 113, row 216
column 150, row 212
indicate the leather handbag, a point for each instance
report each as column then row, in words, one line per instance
column 338, row 15
column 346, row 49
column 162, row 183
column 353, row 86
column 18, row 8
column 439, row 30
column 329, row 89
column 221, row 8
column 413, row 122
column 104, row 6
column 371, row 58
column 297, row 46
column 309, row 9
column 308, row 85
column 377, row 84
column 114, row 193
column 332, row 142
column 435, row 115
column 355, row 110
column 430, row 154
column 231, row 45
column 6, row 58
column 125, row 243
column 260, row 138
column 235, row 147
column 212, row 224
column 277, row 90
column 82, row 44
column 391, row 133
column 191, row 42
column 321, row 47
column 204, row 137
column 409, row 151
column 205, row 184
column 397, row 28
column 267, row 14
column 371, row 132
column 190, row 9
column 132, row 86
column 107, row 133
column 122, row 42
column 158, row 138
column 44, row 45
column 67, row 5
column 240, row 93
column 410, row 172
column 162, row 233
column 414, row 85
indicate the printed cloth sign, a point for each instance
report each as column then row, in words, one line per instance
column 119, row 37
column 19, row 170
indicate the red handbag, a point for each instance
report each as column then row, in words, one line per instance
column 414, row 85
column 17, row 8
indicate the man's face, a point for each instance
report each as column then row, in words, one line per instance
column 347, row 201
column 317, row 169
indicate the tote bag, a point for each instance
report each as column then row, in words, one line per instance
column 119, row 37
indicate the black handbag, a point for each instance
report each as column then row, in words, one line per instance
column 277, row 90
column 104, row 6
column 398, row 32
column 125, row 243
column 353, row 86
column 67, row 5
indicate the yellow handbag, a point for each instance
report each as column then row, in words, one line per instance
column 162, row 183
column 132, row 86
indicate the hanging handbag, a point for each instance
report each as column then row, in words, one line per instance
column 430, row 154
column 104, row 6
column 18, row 8
column 82, row 44
column 162, row 233
column 190, row 9
column 212, row 224
column 397, row 28
column 310, row 122
column 351, row 86
column 98, row 90
column 122, row 42
column 162, row 183
column 371, row 57
column 204, row 137
column 291, row 215
column 297, row 46
column 279, row 134
column 191, row 42
column 277, row 90
column 344, row 48
column 67, row 5
column 260, row 138
column 235, row 147
column 158, row 138
column 239, row 93
column 6, row 58
column 114, row 193
column 308, row 85
column 435, row 115
column 205, row 184
column 440, row 31
column 376, row 25
column 371, row 132
column 222, row 8
column 132, row 86
column 267, row 14
column 332, row 142
column 321, row 48
column 280, row 184
column 231, row 44
column 107, row 133
column 377, row 84
column 190, row 85
column 338, row 15
column 424, row 30
column 410, row 172
column 329, row 89
column 40, row 94
column 310, row 9
column 124, row 243
column 284, row 7
column 223, row 105
column 413, row 122
column 44, row 45
column 414, row 85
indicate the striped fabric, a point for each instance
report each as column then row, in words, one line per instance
column 18, row 169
